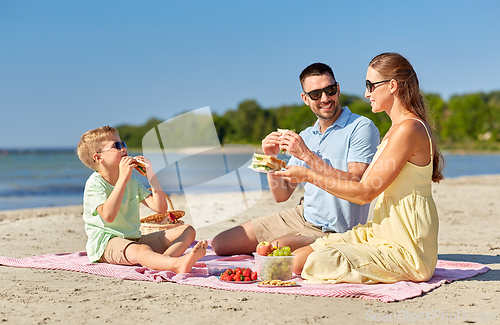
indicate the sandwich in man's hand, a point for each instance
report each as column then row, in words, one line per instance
column 283, row 131
column 141, row 166
column 264, row 163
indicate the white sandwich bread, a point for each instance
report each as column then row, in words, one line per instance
column 283, row 131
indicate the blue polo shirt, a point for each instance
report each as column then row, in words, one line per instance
column 352, row 138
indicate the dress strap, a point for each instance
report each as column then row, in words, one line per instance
column 427, row 131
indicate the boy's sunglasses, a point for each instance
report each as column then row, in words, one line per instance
column 329, row 91
column 370, row 86
column 118, row 146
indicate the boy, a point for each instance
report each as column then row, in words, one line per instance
column 111, row 210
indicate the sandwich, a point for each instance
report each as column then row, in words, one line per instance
column 283, row 131
column 266, row 163
column 141, row 166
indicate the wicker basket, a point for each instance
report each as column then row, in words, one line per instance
column 158, row 222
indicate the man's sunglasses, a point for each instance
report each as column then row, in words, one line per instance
column 329, row 91
column 117, row 145
column 370, row 86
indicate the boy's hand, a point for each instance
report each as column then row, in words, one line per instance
column 149, row 166
column 146, row 160
column 150, row 173
column 126, row 167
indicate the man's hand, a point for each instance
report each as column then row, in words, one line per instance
column 270, row 144
column 294, row 144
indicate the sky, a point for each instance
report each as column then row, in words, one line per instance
column 70, row 66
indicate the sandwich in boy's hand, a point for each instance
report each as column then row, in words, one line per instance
column 141, row 166
column 264, row 163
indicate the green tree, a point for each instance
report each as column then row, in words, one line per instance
column 467, row 118
column 132, row 135
column 470, row 121
column 437, row 109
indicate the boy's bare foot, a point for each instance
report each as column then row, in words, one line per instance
column 187, row 261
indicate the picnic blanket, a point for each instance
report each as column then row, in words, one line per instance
column 446, row 271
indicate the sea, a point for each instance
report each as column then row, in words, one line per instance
column 50, row 178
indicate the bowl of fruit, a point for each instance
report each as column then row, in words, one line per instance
column 239, row 275
column 273, row 263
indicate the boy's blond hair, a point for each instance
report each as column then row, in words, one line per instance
column 91, row 142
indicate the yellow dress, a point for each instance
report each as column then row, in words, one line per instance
column 399, row 244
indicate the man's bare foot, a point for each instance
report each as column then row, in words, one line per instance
column 187, row 261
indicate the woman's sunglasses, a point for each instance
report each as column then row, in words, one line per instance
column 329, row 91
column 117, row 145
column 370, row 86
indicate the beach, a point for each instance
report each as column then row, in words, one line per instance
column 469, row 212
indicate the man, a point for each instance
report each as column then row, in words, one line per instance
column 340, row 144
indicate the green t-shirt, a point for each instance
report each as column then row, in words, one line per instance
column 127, row 221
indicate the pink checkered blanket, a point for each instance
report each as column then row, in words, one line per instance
column 446, row 271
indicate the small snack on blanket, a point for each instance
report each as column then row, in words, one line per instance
column 277, row 283
column 239, row 274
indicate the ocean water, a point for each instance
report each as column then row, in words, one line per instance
column 45, row 178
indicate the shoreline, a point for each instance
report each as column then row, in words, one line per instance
column 56, row 208
column 469, row 213
column 231, row 148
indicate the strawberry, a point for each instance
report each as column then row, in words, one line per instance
column 254, row 276
column 247, row 278
column 228, row 271
column 246, row 272
column 236, row 277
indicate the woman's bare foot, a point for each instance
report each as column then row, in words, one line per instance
column 187, row 261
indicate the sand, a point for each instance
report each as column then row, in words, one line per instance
column 469, row 210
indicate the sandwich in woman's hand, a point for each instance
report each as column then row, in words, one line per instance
column 141, row 166
column 264, row 163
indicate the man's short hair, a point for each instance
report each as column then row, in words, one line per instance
column 91, row 142
column 315, row 69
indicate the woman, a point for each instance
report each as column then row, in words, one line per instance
column 400, row 243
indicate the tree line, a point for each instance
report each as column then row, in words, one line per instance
column 464, row 122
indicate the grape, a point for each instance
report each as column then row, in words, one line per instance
column 277, row 266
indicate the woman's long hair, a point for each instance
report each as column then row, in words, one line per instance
column 395, row 66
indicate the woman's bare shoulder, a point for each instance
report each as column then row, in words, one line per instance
column 412, row 128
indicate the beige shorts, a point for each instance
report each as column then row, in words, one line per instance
column 290, row 222
column 115, row 250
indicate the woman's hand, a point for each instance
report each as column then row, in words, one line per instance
column 296, row 174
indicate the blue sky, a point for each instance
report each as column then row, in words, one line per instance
column 70, row 66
